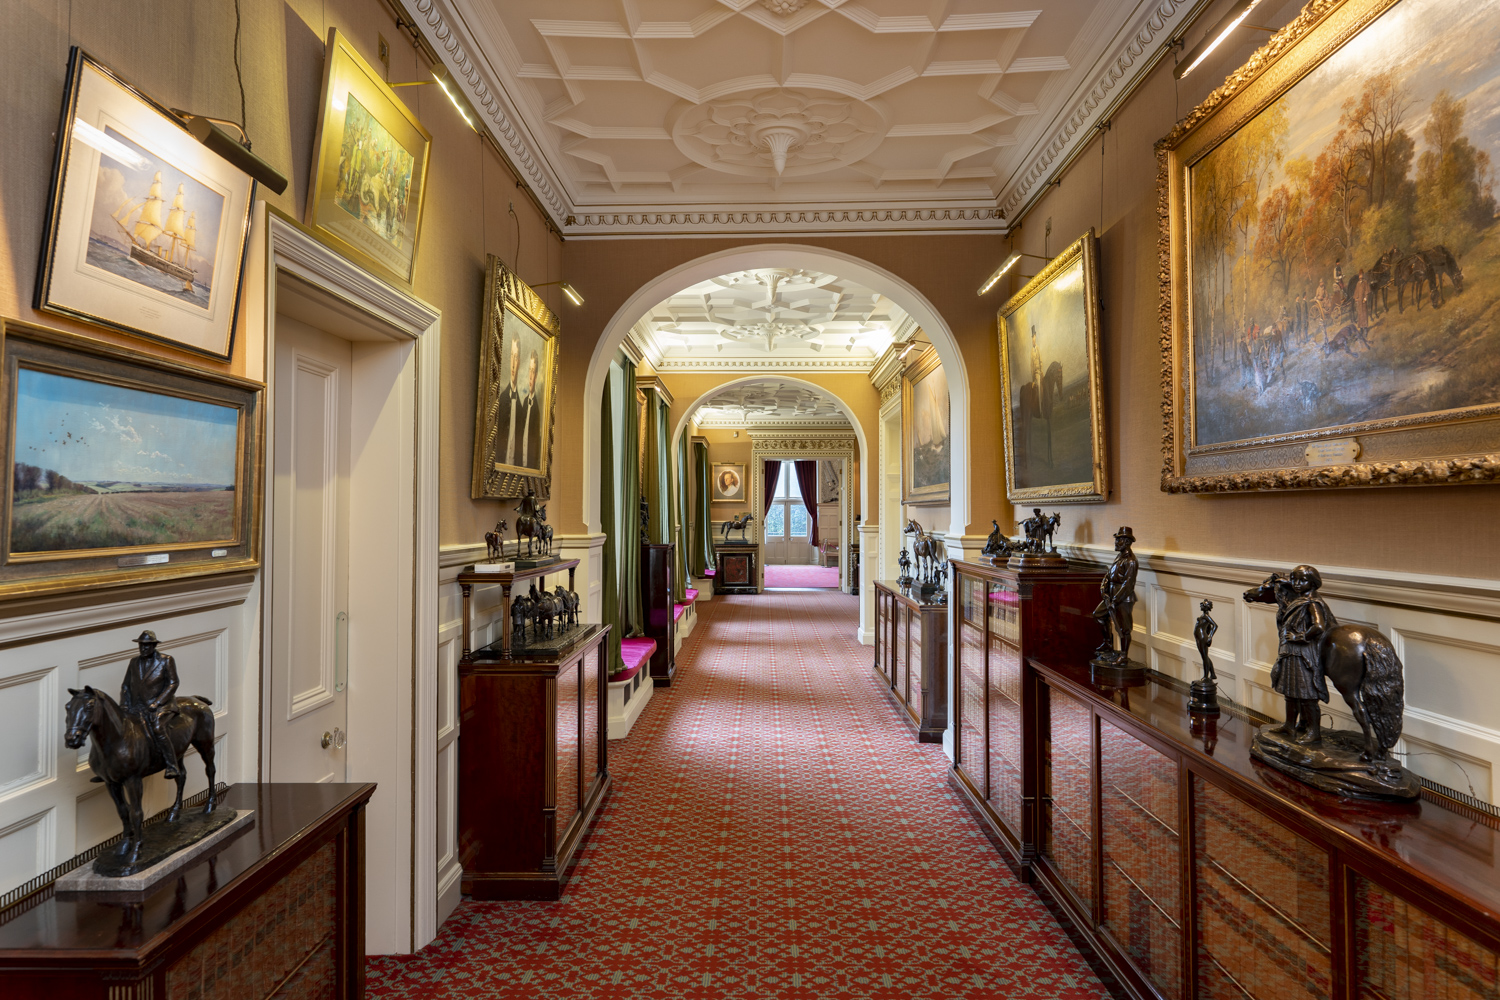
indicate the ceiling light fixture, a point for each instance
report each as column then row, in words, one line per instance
column 1226, row 26
column 567, row 289
column 1000, row 271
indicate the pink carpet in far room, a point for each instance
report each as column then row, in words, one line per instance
column 802, row 576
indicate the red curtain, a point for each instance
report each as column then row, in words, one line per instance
column 807, row 482
column 772, row 479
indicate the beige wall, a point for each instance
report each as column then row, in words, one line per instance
column 945, row 269
column 181, row 53
column 1446, row 530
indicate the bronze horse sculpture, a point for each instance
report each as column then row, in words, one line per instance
column 1361, row 663
column 122, row 754
column 924, row 548
column 738, row 523
column 493, row 540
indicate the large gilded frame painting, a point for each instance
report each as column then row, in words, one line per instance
column 926, row 441
column 1052, row 389
column 1331, row 257
column 517, row 393
column 370, row 171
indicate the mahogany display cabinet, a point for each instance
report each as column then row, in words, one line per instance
column 1198, row 873
column 657, row 607
column 911, row 657
column 998, row 618
column 278, row 909
column 532, row 762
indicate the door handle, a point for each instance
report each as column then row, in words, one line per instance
column 338, row 739
column 340, row 651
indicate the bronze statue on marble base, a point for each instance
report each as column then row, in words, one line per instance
column 1363, row 665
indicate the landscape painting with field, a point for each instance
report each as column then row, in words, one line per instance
column 1344, row 252
column 101, row 466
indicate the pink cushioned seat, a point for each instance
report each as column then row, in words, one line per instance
column 635, row 653
column 689, row 596
column 678, row 610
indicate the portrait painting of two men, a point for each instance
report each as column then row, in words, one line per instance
column 517, row 375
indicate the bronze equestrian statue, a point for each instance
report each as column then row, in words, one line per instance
column 147, row 730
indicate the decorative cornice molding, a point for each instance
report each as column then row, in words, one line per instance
column 829, row 446
column 830, row 220
column 769, row 426
column 773, row 363
column 1123, row 63
column 456, row 46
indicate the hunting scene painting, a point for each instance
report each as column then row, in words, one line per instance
column 1344, row 253
column 1048, row 352
column 101, row 466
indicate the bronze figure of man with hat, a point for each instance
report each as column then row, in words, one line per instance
column 148, row 689
column 1116, row 610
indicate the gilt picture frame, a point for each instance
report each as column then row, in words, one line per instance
column 146, row 229
column 730, row 484
column 1051, row 382
column 1330, row 337
column 369, row 174
column 926, row 449
column 123, row 467
column 516, row 398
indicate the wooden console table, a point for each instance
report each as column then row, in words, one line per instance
column 278, row 909
column 911, row 656
column 532, row 768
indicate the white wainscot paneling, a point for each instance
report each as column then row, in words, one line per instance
column 33, row 716
column 1453, row 705
column 49, row 809
column 1446, row 631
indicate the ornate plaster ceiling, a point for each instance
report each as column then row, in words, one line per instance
column 776, row 317
column 652, row 116
column 771, row 403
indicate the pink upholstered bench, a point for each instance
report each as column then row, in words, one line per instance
column 636, row 653
column 678, row 610
column 689, row 596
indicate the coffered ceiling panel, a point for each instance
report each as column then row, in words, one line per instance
column 771, row 403
column 634, row 114
column 772, row 317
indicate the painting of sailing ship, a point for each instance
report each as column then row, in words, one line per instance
column 375, row 174
column 925, row 440
column 153, row 223
column 1344, row 246
column 101, row 466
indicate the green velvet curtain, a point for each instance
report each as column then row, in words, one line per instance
column 703, row 522
column 630, row 503
column 611, row 615
column 658, row 471
column 680, row 529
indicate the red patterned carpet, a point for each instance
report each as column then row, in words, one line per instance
column 802, row 576
column 774, row 831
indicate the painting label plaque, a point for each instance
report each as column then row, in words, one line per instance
column 1337, row 452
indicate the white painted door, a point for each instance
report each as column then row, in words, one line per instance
column 309, row 538
column 788, row 527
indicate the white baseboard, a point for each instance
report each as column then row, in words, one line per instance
column 622, row 716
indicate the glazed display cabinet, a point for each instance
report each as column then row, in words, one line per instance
column 911, row 657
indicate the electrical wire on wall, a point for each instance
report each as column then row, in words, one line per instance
column 240, row 76
column 515, row 261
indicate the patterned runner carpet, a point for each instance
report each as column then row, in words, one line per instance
column 802, row 576
column 774, row 831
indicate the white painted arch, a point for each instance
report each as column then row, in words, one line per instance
column 791, row 255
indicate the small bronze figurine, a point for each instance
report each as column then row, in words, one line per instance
column 1362, row 664
column 924, row 548
column 737, row 523
column 494, row 541
column 1205, row 690
column 147, row 731
column 1038, row 551
column 1115, row 612
column 527, row 521
column 904, row 580
column 997, row 546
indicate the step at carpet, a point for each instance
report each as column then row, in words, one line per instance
column 775, row 831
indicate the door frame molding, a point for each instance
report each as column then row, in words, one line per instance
column 794, row 446
column 339, row 294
